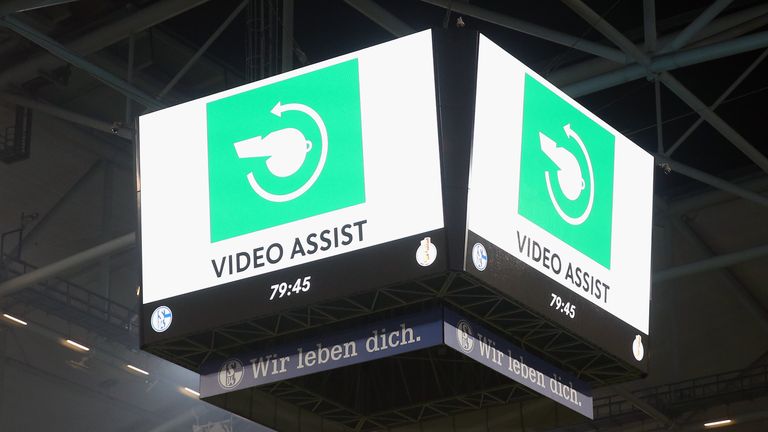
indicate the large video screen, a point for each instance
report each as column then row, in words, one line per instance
column 262, row 197
column 559, row 207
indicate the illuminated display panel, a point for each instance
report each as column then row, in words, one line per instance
column 265, row 190
column 559, row 207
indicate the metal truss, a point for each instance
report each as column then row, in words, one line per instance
column 438, row 367
column 290, row 392
column 532, row 332
column 677, row 398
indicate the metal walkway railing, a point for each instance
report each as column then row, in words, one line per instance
column 75, row 304
column 673, row 399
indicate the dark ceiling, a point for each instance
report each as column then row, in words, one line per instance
column 327, row 28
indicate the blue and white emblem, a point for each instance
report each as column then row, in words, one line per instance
column 464, row 335
column 161, row 319
column 479, row 256
column 231, row 373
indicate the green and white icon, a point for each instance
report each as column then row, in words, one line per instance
column 285, row 151
column 570, row 178
column 566, row 172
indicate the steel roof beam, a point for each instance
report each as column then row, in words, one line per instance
column 713, row 181
column 733, row 32
column 667, row 62
column 673, row 84
column 715, row 197
column 649, row 25
column 100, row 38
column 719, row 100
column 712, row 263
column 73, row 117
column 715, row 121
column 69, row 263
column 13, row 6
column 287, row 42
column 696, row 26
column 381, row 16
column 196, row 56
column 727, row 27
column 550, row 35
column 76, row 60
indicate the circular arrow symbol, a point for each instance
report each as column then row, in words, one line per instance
column 577, row 220
column 278, row 110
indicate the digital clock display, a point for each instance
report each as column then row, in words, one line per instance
column 563, row 306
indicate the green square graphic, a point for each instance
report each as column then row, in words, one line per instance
column 285, row 152
column 566, row 172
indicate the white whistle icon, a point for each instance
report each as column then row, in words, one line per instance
column 286, row 150
column 569, row 172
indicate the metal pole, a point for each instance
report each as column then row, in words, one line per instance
column 195, row 57
column 381, row 16
column 76, row 60
column 532, row 29
column 286, row 55
column 659, row 124
column 719, row 100
column 649, row 24
column 129, row 75
column 105, row 268
column 712, row 263
column 73, row 117
column 69, row 263
column 699, row 23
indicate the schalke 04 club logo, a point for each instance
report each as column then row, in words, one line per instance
column 161, row 319
column 231, row 373
column 464, row 335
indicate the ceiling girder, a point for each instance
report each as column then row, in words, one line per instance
column 381, row 16
column 59, row 50
column 696, row 26
column 100, row 38
column 724, row 28
column 667, row 62
column 673, row 84
column 719, row 100
column 712, row 263
column 71, row 116
column 535, row 30
column 71, row 262
column 196, row 56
